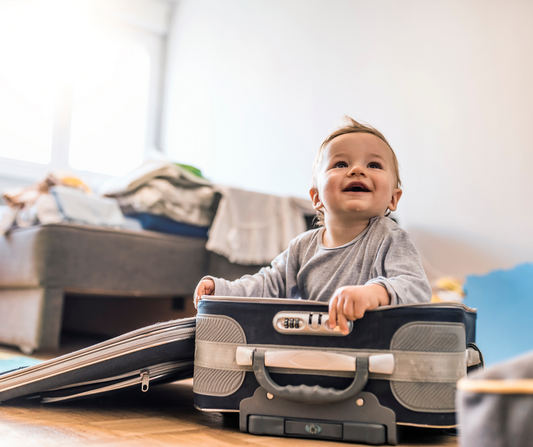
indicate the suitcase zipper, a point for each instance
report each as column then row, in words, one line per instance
column 145, row 381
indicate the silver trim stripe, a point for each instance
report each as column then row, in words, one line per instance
column 410, row 366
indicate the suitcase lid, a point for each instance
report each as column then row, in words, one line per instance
column 262, row 300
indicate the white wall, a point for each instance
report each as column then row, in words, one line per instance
column 254, row 88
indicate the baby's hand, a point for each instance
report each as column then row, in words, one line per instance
column 205, row 287
column 351, row 303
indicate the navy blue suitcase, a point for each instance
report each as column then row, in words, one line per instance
column 277, row 362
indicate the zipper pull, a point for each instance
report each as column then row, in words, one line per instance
column 145, row 381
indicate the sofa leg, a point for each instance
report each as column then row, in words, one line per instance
column 31, row 318
column 52, row 317
column 27, row 350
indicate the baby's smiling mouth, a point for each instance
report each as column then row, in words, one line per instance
column 356, row 187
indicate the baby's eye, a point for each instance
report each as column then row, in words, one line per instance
column 341, row 164
column 374, row 165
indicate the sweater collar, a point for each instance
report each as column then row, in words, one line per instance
column 362, row 234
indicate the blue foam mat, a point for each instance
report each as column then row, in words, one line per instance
column 504, row 300
column 9, row 362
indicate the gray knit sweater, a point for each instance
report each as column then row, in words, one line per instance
column 382, row 254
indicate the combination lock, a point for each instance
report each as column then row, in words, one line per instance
column 292, row 323
column 306, row 323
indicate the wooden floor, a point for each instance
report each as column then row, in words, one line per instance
column 164, row 416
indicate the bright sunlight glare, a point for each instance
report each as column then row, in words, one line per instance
column 53, row 46
column 29, row 80
column 110, row 106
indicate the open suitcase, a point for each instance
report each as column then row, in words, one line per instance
column 278, row 363
column 159, row 353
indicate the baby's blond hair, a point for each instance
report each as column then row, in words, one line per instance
column 352, row 126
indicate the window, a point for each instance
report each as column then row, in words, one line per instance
column 28, row 85
column 109, row 107
column 78, row 88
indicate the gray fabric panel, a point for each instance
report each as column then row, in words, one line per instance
column 430, row 337
column 219, row 329
column 93, row 259
column 425, row 397
column 216, row 382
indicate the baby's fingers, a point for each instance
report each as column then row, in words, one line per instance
column 343, row 324
column 197, row 295
column 333, row 313
column 201, row 290
column 341, row 314
column 348, row 310
column 209, row 287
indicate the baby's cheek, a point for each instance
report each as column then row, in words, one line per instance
column 327, row 192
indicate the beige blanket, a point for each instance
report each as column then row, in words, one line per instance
column 253, row 228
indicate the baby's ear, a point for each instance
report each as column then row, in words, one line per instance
column 317, row 204
column 396, row 194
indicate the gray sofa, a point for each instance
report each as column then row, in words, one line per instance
column 40, row 266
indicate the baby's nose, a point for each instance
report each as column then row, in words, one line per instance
column 356, row 170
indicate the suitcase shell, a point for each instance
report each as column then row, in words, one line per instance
column 429, row 345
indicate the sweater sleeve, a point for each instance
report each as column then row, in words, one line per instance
column 398, row 268
column 268, row 282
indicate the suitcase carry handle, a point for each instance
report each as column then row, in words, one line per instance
column 310, row 394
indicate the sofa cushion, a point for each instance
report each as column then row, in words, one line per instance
column 101, row 260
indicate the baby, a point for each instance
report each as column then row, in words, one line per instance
column 358, row 259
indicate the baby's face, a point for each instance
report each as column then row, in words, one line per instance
column 356, row 178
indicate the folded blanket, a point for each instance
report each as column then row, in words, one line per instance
column 253, row 228
column 165, row 189
column 150, row 170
